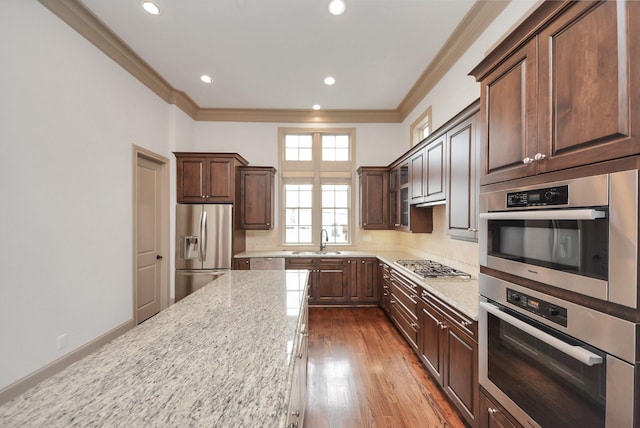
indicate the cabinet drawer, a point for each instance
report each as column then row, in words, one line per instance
column 405, row 298
column 407, row 325
column 454, row 318
column 299, row 263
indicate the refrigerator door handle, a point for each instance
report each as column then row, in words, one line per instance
column 203, row 235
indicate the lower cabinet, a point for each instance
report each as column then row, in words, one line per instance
column 298, row 397
column 340, row 280
column 492, row 415
column 242, row 263
column 384, row 281
column 448, row 348
column 404, row 308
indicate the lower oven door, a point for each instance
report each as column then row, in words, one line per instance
column 546, row 378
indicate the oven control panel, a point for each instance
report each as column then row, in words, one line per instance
column 543, row 309
column 558, row 195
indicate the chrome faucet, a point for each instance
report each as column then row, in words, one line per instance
column 323, row 244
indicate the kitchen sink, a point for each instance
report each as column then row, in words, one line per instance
column 315, row 252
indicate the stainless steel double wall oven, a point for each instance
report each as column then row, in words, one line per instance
column 546, row 355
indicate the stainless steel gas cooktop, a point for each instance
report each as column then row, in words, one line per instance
column 430, row 269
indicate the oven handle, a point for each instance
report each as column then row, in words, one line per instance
column 583, row 214
column 577, row 352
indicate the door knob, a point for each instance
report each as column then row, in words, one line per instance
column 158, row 257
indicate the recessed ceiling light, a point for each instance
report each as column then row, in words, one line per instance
column 316, row 107
column 151, row 7
column 337, row 7
column 206, row 79
column 329, row 80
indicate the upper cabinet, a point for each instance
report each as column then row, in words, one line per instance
column 399, row 195
column 374, row 197
column 427, row 172
column 462, row 178
column 207, row 177
column 556, row 94
column 256, row 197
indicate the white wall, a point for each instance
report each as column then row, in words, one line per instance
column 68, row 119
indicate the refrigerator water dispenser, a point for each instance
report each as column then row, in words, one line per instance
column 190, row 248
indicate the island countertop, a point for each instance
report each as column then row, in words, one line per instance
column 220, row 357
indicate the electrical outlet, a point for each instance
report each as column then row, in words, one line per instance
column 61, row 341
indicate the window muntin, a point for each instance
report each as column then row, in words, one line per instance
column 335, row 148
column 298, row 213
column 298, row 147
column 335, row 212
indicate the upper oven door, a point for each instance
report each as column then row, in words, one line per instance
column 563, row 248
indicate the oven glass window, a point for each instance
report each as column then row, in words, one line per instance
column 574, row 246
column 553, row 388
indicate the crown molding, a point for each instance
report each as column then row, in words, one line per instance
column 466, row 33
column 298, row 116
column 81, row 19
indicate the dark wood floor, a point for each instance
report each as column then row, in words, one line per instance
column 363, row 374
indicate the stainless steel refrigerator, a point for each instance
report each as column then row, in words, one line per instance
column 204, row 234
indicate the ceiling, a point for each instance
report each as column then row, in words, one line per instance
column 274, row 54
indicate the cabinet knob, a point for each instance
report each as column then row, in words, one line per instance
column 296, row 413
column 364, row 224
column 492, row 411
column 293, row 425
column 539, row 156
column 397, row 225
column 528, row 161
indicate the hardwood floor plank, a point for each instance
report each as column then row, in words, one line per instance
column 363, row 374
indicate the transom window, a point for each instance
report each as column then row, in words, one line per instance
column 317, row 179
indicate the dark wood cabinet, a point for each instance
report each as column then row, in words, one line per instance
column 492, row 415
column 546, row 103
column 331, row 281
column 242, row 263
column 328, row 278
column 418, row 176
column 207, row 177
column 462, row 178
column 384, row 281
column 404, row 308
column 448, row 348
column 403, row 216
column 435, row 170
column 399, row 196
column 256, row 197
column 363, row 280
column 374, row 197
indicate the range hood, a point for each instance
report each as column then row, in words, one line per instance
column 431, row 203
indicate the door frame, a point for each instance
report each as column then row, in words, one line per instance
column 140, row 152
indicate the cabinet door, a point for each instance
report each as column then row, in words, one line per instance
column 374, row 198
column 461, row 379
column 462, row 188
column 241, row 263
column 434, row 185
column 220, row 180
column 509, row 101
column 491, row 415
column 367, row 284
column 587, row 87
column 417, row 173
column 191, row 178
column 430, row 346
column 256, row 198
column 331, row 281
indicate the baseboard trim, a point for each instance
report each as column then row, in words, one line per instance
column 18, row 387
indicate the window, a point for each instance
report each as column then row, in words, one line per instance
column 317, row 179
column 421, row 127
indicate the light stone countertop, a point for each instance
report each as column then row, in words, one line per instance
column 460, row 294
column 219, row 357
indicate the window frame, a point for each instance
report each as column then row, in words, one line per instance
column 417, row 127
column 317, row 172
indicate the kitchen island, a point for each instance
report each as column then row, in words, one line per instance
column 223, row 356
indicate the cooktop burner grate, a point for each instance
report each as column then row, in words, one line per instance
column 430, row 269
